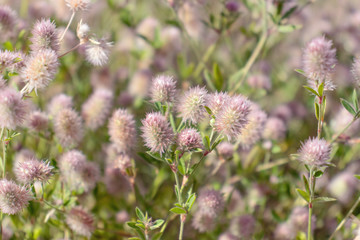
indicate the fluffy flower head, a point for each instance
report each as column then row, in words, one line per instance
column 189, row 139
column 45, row 36
column 13, row 198
column 32, row 170
column 13, row 109
column 315, row 152
column 80, row 221
column 191, row 105
column 163, row 89
column 68, row 127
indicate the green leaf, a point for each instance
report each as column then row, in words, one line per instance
column 311, row 90
column 303, row 194
column 321, row 89
column 300, row 71
column 8, row 46
column 157, row 224
column 157, row 236
column 208, row 80
column 317, row 110
column 178, row 210
column 218, row 78
column 289, row 12
column 139, row 214
column 318, row 173
column 155, row 155
column 288, row 28
column 324, row 199
column 208, row 110
column 357, row 176
column 206, row 142
column 190, row 202
column 132, row 224
column 217, row 143
column 306, row 184
column 355, row 100
column 347, row 106
column 134, row 238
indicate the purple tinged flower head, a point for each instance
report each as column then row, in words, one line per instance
column 225, row 149
column 211, row 202
column 123, row 162
column 319, row 59
column 37, row 121
column 275, row 129
column 284, row 231
column 11, row 61
column 97, row 52
column 122, row 130
column 189, row 139
column 315, row 152
column 8, row 19
column 32, row 170
column 58, row 103
column 116, row 182
column 231, row 120
column 192, row 103
column 157, row 133
column 163, row 89
column 70, row 161
column 356, row 70
column 78, row 5
column 122, row 216
column 68, row 127
column 253, row 130
column 13, row 198
column 80, row 221
column 40, row 69
column 260, row 81
column 203, row 222
column 96, row 109
column 232, row 6
column 90, row 175
column 45, row 36
column 13, row 109
column 216, row 101
column 243, row 226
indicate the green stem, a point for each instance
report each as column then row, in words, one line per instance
column 312, row 187
column 345, row 218
column 320, row 120
column 181, row 229
column 52, row 206
column 342, row 131
column 4, row 152
column 242, row 73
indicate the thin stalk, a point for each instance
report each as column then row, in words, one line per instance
column 312, row 186
column 342, row 131
column 180, row 202
column 319, row 127
column 242, row 73
column 4, row 153
column 52, row 206
column 181, row 229
column 341, row 224
column 72, row 49
column 67, row 27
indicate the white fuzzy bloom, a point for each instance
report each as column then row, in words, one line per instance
column 82, row 31
column 77, row 5
column 97, row 52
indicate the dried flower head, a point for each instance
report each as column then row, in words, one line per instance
column 58, row 103
column 122, row 130
column 315, row 152
column 275, row 129
column 216, row 101
column 68, row 127
column 189, row 139
column 32, row 170
column 211, row 202
column 13, row 109
column 225, row 149
column 163, row 89
column 319, row 59
column 8, row 19
column 231, row 120
column 203, row 222
column 192, row 103
column 80, row 221
column 356, row 70
column 13, row 198
column 77, row 5
column 45, row 36
column 253, row 130
column 98, row 51
column 82, row 32
column 157, row 133
column 37, row 121
column 39, row 70
column 97, row 108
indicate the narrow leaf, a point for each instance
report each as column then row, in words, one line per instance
column 178, row 210
column 306, row 184
column 311, row 90
column 139, row 214
column 355, row 100
column 347, row 106
column 303, row 194
column 324, row 199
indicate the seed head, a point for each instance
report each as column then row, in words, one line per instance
column 13, row 198
column 45, row 36
column 315, row 152
column 37, row 121
column 80, row 221
column 216, row 101
column 275, row 129
column 40, row 69
column 32, row 170
column 189, row 139
column 78, row 5
column 96, row 109
column 253, row 130
column 97, row 52
column 211, row 202
column 68, row 127
column 231, row 120
column 13, row 109
column 157, row 133
column 58, row 103
column 163, row 89
column 319, row 59
column 192, row 103
column 122, row 130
